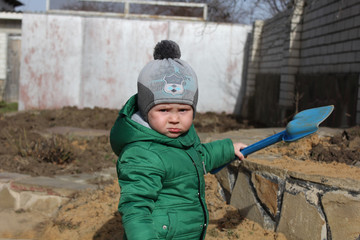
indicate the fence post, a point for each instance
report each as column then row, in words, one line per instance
column 291, row 61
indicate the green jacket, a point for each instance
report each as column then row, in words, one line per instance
column 162, row 179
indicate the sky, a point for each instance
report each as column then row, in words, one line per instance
column 39, row 5
column 32, row 6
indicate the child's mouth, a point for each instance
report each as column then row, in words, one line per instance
column 174, row 130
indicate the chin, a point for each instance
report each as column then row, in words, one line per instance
column 173, row 135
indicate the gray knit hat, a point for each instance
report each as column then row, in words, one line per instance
column 167, row 79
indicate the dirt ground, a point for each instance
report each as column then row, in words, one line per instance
column 26, row 139
column 28, row 146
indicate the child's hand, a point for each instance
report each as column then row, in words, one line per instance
column 237, row 147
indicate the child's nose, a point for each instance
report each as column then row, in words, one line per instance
column 174, row 117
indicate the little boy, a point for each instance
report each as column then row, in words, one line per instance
column 162, row 162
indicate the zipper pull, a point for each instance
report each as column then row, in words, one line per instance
column 204, row 168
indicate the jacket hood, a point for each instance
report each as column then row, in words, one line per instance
column 126, row 131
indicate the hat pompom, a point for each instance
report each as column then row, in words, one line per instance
column 166, row 49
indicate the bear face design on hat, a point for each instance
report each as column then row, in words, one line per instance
column 174, row 84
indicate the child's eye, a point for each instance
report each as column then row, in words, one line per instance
column 163, row 110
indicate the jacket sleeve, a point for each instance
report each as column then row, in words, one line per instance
column 140, row 177
column 115, row 132
column 217, row 153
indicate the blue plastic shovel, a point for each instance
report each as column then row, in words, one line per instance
column 303, row 124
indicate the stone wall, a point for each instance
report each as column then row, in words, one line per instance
column 300, row 204
column 45, row 195
column 314, row 39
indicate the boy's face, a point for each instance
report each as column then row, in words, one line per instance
column 171, row 119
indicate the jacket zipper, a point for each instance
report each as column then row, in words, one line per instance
column 200, row 199
column 199, row 195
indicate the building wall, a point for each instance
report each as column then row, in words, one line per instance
column 272, row 44
column 11, row 91
column 330, row 40
column 317, row 40
column 95, row 61
column 3, row 59
column 10, row 25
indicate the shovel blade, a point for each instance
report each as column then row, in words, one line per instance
column 306, row 122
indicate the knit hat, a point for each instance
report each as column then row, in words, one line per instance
column 166, row 79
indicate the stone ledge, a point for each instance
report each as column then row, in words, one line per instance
column 49, row 186
column 46, row 194
column 87, row 133
column 6, row 177
column 296, row 169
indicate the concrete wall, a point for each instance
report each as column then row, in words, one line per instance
column 94, row 61
column 317, row 40
column 10, row 25
column 11, row 92
column 3, row 59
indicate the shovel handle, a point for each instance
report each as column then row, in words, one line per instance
column 256, row 147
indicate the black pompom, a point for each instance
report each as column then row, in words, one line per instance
column 166, row 49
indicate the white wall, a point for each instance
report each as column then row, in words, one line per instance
column 3, row 46
column 51, row 62
column 95, row 61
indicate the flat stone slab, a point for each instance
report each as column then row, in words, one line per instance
column 302, row 221
column 103, row 176
column 77, row 132
column 6, row 177
column 247, row 136
column 49, row 186
column 339, row 205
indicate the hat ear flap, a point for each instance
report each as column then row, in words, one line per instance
column 145, row 100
